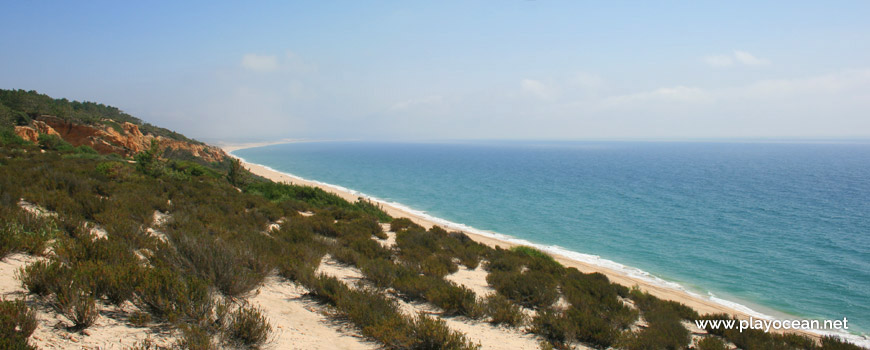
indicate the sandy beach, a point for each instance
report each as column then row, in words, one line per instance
column 702, row 305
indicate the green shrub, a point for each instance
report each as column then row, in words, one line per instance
column 591, row 328
column 438, row 265
column 711, row 343
column 831, row 342
column 75, row 302
column 399, row 224
column 431, row 333
column 383, row 273
column 554, row 327
column 502, row 311
column 664, row 330
column 85, row 149
column 533, row 253
column 231, row 269
column 173, row 297
column 24, row 232
column 455, row 300
column 373, row 209
column 9, row 138
column 532, row 288
column 42, row 277
column 111, row 170
column 17, row 323
column 194, row 337
column 139, row 319
column 248, row 327
column 54, row 143
column 119, row 282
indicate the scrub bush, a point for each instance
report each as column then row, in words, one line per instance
column 502, row 311
column 17, row 323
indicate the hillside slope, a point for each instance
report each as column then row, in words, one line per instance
column 103, row 128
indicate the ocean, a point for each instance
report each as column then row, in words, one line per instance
column 781, row 229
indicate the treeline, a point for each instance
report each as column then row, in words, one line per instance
column 19, row 107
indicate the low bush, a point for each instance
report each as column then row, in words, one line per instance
column 664, row 319
column 17, row 323
column 533, row 253
column 43, row 277
column 54, row 143
column 173, row 297
column 195, row 337
column 247, row 327
column 502, row 311
column 232, row 270
column 21, row 231
column 76, row 303
column 9, row 138
column 139, row 318
column 592, row 329
column 383, row 273
column 379, row 317
column 432, row 333
column 455, row 300
column 711, row 343
column 373, row 209
column 532, row 288
column 831, row 342
column 399, row 224
column 554, row 327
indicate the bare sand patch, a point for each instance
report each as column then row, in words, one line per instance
column 472, row 279
column 348, row 274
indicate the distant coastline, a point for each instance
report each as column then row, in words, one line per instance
column 616, row 272
column 229, row 147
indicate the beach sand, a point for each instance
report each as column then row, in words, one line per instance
column 702, row 305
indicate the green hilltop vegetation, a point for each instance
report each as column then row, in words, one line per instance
column 220, row 245
column 19, row 107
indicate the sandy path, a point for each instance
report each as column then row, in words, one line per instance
column 297, row 324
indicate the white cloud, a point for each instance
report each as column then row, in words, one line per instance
column 260, row 63
column 841, row 84
column 538, row 89
column 748, row 59
column 719, row 60
column 738, row 57
column 677, row 94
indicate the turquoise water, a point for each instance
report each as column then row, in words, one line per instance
column 783, row 228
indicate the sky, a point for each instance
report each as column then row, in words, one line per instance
column 415, row 70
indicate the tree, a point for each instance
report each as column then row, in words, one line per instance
column 236, row 174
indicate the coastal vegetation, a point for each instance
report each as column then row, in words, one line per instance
column 187, row 242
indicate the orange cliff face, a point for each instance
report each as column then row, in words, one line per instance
column 105, row 139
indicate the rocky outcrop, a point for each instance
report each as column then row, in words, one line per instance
column 27, row 133
column 106, row 139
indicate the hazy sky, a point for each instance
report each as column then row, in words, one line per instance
column 454, row 69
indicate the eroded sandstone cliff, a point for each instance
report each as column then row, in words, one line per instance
column 105, row 139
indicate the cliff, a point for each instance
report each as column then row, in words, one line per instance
column 105, row 139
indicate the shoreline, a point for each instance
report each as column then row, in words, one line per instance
column 618, row 273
